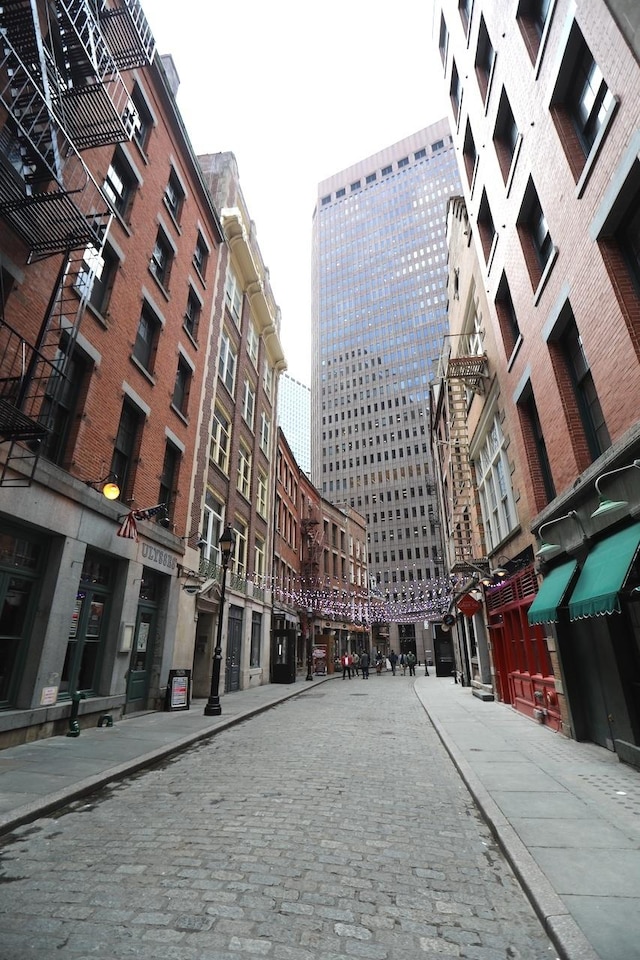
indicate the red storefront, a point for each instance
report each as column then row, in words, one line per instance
column 523, row 672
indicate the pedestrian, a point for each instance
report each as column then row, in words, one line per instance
column 364, row 663
column 403, row 663
column 411, row 663
column 346, row 666
column 379, row 659
column 393, row 659
column 356, row 664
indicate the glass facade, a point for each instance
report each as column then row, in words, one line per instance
column 379, row 317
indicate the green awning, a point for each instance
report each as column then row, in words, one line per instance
column 549, row 597
column 604, row 573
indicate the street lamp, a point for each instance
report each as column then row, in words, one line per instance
column 309, row 675
column 227, row 542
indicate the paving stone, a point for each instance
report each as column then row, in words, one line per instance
column 301, row 851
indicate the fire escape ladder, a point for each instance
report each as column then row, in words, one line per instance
column 34, row 377
column 47, row 194
column 91, row 100
column 127, row 34
column 461, row 476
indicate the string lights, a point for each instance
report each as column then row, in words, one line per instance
column 404, row 603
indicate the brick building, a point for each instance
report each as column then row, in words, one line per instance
column 543, row 101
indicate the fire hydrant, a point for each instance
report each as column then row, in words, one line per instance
column 74, row 726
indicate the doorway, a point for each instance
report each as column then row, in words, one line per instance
column 143, row 642
column 234, row 650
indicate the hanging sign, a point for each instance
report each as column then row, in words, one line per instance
column 468, row 605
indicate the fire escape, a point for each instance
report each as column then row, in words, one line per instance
column 460, row 377
column 312, row 547
column 61, row 93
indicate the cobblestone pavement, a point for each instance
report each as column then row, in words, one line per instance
column 332, row 826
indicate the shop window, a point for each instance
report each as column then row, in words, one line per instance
column 88, row 628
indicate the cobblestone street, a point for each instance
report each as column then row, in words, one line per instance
column 332, row 826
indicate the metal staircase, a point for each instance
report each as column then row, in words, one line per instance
column 34, row 376
column 61, row 92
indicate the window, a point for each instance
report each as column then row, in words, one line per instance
column 192, row 314
column 161, row 259
column 486, row 228
column 212, row 528
column 494, row 485
column 533, row 17
column 256, row 638
column 267, row 379
column 534, row 235
column 465, row 8
column 265, row 433
column 244, row 471
column 227, row 363
column 628, row 237
column 371, row 178
column 220, row 440
column 233, row 296
column 485, row 58
column 184, row 374
column 386, row 171
column 576, row 387
column 253, row 343
column 469, row 154
column 355, row 185
column 443, row 40
column 169, row 479
column 97, row 276
column 326, row 200
column 420, row 154
column 144, row 125
column 240, row 553
column 259, row 557
column 119, row 185
column 127, row 443
column 201, row 255
column 87, row 640
column 455, row 90
column 542, row 485
column 582, row 106
column 403, row 162
column 505, row 136
column 507, row 317
column 174, row 196
column 144, row 348
column 341, row 192
column 61, row 404
column 261, row 494
column 248, row 404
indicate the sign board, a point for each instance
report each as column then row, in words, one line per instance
column 178, row 689
column 468, row 605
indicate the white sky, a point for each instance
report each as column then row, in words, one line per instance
column 298, row 93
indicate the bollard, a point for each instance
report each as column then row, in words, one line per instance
column 74, row 726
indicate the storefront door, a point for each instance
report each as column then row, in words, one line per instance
column 143, row 643
column 88, row 628
column 20, row 563
column 234, row 650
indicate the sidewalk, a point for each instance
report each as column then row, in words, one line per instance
column 566, row 814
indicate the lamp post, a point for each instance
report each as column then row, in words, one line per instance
column 309, row 675
column 227, row 543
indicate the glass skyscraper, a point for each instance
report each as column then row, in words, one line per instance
column 379, row 315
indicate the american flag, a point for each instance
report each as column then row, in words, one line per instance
column 149, row 512
column 128, row 527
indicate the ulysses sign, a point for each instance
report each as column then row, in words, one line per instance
column 159, row 558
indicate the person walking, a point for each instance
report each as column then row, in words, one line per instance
column 346, row 666
column 411, row 663
column 356, row 664
column 364, row 665
column 403, row 663
column 379, row 660
column 393, row 659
